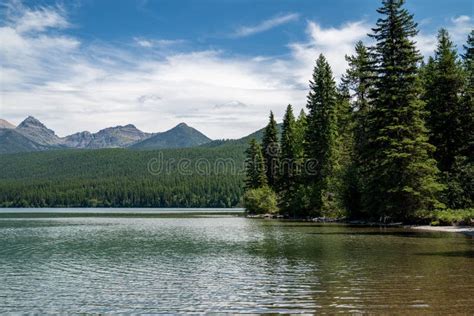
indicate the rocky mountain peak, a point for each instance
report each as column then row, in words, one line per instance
column 37, row 131
column 39, row 137
column 31, row 121
column 181, row 125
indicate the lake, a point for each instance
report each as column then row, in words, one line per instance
column 225, row 263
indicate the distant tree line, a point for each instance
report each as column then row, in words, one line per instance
column 393, row 139
column 123, row 178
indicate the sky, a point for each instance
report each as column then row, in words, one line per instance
column 217, row 65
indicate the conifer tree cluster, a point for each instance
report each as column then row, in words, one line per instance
column 392, row 140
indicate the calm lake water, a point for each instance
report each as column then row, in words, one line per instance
column 224, row 263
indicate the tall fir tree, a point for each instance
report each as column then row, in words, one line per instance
column 321, row 137
column 271, row 151
column 443, row 86
column 467, row 107
column 255, row 167
column 300, row 133
column 344, row 124
column 359, row 78
column 468, row 58
column 460, row 180
column 288, row 161
column 345, row 177
column 300, row 197
column 402, row 176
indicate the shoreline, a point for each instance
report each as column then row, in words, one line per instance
column 465, row 230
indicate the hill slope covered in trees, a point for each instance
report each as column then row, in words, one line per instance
column 190, row 177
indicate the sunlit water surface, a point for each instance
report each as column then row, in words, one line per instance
column 223, row 263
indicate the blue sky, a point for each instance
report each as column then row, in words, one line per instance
column 220, row 66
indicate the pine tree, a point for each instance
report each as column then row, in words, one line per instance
column 288, row 161
column 467, row 104
column 468, row 58
column 402, row 177
column 359, row 78
column 346, row 178
column 460, row 179
column 443, row 86
column 344, row 124
column 300, row 132
column 271, row 151
column 300, row 202
column 444, row 81
column 255, row 167
column 288, row 148
column 321, row 136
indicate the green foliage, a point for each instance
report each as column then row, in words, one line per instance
column 468, row 58
column 321, row 138
column 344, row 177
column 122, row 178
column 459, row 182
column 260, row 201
column 443, row 85
column 467, row 103
column 359, row 79
column 288, row 161
column 401, row 175
column 293, row 193
column 446, row 99
column 447, row 217
column 300, row 133
column 271, row 151
column 288, row 149
column 255, row 167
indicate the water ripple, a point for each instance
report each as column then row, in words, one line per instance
column 224, row 265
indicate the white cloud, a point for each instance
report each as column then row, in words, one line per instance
column 159, row 43
column 148, row 98
column 73, row 86
column 333, row 42
column 24, row 19
column 231, row 104
column 426, row 43
column 39, row 20
column 458, row 29
column 143, row 42
column 265, row 25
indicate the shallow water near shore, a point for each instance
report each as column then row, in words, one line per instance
column 226, row 263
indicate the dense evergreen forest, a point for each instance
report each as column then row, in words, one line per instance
column 392, row 142
column 191, row 177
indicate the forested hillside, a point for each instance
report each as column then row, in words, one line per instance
column 191, row 177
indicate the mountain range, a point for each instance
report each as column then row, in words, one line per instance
column 32, row 135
